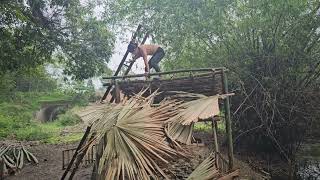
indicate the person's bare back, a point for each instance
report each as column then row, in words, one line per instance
column 143, row 51
column 150, row 49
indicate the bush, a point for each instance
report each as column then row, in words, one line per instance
column 33, row 133
column 68, row 119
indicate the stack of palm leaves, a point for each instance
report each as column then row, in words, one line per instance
column 135, row 138
column 140, row 138
column 13, row 157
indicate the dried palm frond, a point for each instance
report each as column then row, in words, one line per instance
column 180, row 127
column 180, row 133
column 93, row 112
column 183, row 96
column 135, row 133
column 135, row 138
column 206, row 170
column 192, row 111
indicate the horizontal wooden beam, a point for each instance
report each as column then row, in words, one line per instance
column 167, row 72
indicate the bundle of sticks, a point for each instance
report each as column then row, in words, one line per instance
column 12, row 158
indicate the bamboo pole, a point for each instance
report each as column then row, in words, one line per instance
column 214, row 130
column 215, row 137
column 167, row 72
column 84, row 137
column 228, row 120
column 79, row 160
column 117, row 92
column 99, row 152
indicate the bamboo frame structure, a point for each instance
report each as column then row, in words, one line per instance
column 212, row 83
column 123, row 83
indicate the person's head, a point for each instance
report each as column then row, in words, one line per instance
column 132, row 46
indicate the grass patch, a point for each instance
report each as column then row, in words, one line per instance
column 64, row 139
column 207, row 127
column 68, row 119
column 16, row 118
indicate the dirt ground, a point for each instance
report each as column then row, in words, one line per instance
column 50, row 164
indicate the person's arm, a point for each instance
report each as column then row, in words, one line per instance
column 145, row 59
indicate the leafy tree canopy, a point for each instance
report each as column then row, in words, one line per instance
column 224, row 32
column 32, row 31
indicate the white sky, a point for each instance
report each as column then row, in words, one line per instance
column 122, row 40
column 119, row 51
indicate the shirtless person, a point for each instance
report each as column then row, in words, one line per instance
column 143, row 51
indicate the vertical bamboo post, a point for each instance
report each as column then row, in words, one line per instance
column 216, row 145
column 117, row 92
column 79, row 160
column 215, row 137
column 228, row 119
column 99, row 151
column 84, row 138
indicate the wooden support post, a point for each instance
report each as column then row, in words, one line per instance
column 215, row 137
column 84, row 137
column 117, row 92
column 228, row 120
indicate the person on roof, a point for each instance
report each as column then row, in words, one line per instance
column 146, row 50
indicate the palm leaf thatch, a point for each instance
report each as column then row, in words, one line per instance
column 206, row 170
column 180, row 127
column 135, row 136
column 202, row 108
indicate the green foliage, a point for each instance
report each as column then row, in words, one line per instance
column 207, row 127
column 32, row 31
column 68, row 119
column 21, row 125
column 35, row 133
column 271, row 48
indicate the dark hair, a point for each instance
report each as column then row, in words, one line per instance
column 132, row 46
